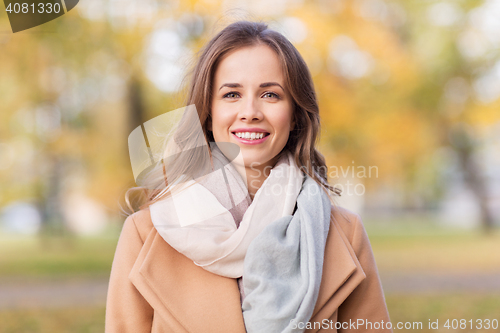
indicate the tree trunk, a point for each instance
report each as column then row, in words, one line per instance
column 473, row 175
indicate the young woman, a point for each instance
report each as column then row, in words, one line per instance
column 239, row 232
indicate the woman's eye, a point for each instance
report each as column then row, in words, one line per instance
column 272, row 95
column 230, row 95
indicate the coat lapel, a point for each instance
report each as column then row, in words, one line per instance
column 187, row 297
column 342, row 273
column 191, row 299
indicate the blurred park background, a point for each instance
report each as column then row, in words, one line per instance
column 409, row 94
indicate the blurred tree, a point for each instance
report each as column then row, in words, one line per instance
column 384, row 72
column 438, row 38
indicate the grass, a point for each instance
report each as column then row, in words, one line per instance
column 73, row 320
column 422, row 308
column 56, row 256
column 425, row 247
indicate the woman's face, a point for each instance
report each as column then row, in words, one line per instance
column 250, row 107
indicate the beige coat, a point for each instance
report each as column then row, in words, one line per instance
column 154, row 288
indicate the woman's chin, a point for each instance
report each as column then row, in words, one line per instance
column 259, row 162
column 250, row 161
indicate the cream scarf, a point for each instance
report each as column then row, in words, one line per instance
column 211, row 220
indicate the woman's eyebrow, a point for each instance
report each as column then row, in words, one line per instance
column 231, row 85
column 262, row 85
column 270, row 84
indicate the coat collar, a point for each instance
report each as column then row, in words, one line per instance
column 193, row 300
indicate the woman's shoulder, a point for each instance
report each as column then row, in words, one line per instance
column 141, row 221
column 349, row 221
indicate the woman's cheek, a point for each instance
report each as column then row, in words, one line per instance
column 284, row 120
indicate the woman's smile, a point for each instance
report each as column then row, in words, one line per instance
column 250, row 136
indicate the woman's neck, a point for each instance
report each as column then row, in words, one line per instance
column 255, row 175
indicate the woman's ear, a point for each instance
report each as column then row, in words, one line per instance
column 209, row 123
column 292, row 123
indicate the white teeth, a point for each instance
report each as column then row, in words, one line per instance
column 249, row 135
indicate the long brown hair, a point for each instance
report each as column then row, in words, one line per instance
column 302, row 140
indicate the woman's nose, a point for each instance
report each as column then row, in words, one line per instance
column 250, row 110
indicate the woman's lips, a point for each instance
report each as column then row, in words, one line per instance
column 250, row 141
